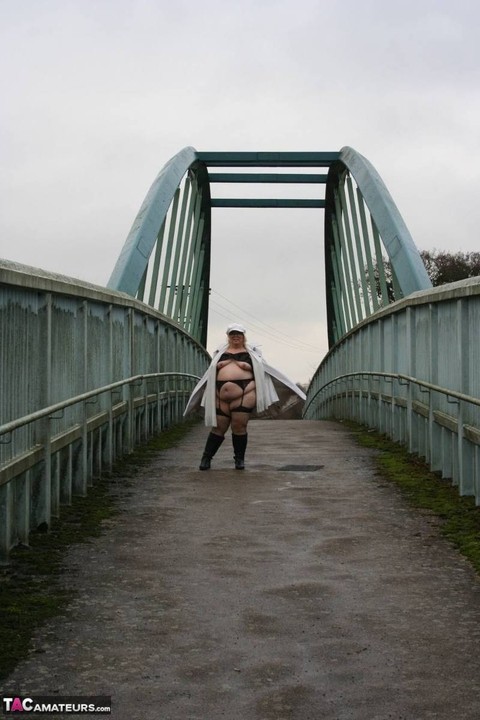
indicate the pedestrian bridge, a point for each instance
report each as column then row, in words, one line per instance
column 301, row 588
column 87, row 372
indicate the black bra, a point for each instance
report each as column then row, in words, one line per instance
column 239, row 357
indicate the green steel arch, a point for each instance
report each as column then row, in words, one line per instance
column 370, row 257
column 165, row 261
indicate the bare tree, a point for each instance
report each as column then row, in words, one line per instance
column 442, row 267
column 446, row 267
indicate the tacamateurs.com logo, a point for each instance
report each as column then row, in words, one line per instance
column 56, row 705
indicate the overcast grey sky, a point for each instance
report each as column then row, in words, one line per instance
column 97, row 95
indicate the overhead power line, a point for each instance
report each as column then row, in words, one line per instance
column 259, row 325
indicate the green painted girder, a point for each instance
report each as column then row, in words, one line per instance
column 401, row 249
column 266, row 203
column 268, row 159
column 132, row 262
column 183, row 258
column 292, row 178
column 352, row 250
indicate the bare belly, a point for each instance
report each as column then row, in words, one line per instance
column 234, row 371
column 235, row 385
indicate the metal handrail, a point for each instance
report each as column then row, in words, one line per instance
column 58, row 472
column 51, row 409
column 398, row 376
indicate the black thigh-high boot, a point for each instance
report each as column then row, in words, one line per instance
column 239, row 447
column 211, row 446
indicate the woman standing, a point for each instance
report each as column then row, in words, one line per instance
column 237, row 383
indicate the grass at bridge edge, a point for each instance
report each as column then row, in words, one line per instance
column 459, row 517
column 31, row 588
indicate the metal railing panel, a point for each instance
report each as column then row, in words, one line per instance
column 33, row 485
column 60, row 339
column 410, row 371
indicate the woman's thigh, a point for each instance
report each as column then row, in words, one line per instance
column 247, row 400
column 240, row 422
column 222, row 425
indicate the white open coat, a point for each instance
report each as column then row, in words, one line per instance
column 204, row 393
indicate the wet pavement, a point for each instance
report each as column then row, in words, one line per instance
column 301, row 588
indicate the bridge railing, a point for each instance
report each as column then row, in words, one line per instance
column 411, row 372
column 85, row 374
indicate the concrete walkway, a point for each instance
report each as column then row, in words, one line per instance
column 277, row 593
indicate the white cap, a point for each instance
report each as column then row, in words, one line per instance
column 235, row 327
